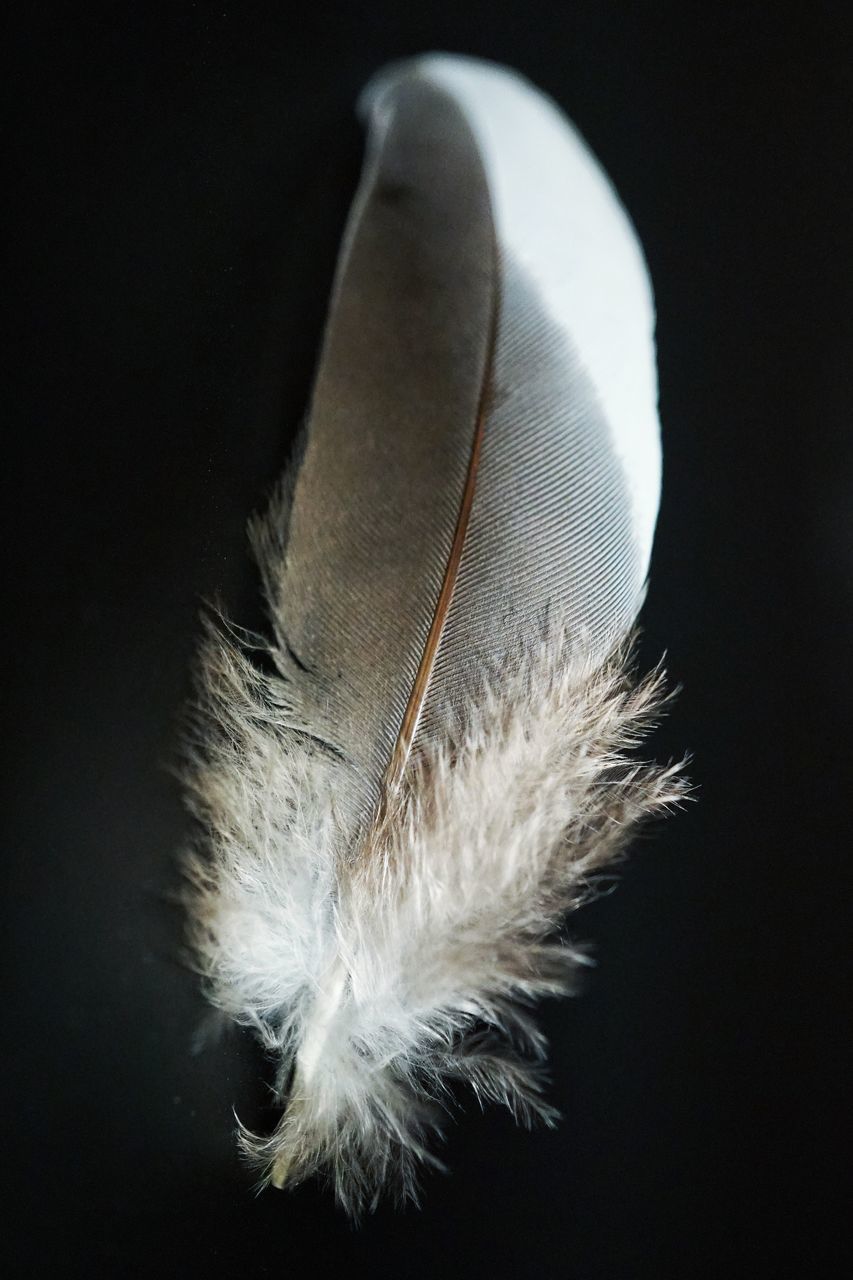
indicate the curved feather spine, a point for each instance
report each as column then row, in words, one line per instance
column 420, row 688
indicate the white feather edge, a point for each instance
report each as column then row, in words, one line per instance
column 558, row 215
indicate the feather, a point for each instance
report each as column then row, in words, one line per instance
column 398, row 806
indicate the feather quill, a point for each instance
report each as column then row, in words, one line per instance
column 400, row 805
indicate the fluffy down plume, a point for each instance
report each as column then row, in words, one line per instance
column 378, row 979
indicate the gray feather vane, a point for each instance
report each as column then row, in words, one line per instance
column 399, row 807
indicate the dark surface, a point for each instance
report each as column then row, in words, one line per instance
column 180, row 181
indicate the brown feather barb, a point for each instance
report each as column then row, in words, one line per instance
column 397, row 811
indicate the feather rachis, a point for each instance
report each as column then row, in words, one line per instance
column 420, row 687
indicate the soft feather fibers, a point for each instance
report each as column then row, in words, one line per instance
column 389, row 974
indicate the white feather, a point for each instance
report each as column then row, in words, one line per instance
column 383, row 961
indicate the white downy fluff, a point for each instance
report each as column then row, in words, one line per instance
column 379, row 977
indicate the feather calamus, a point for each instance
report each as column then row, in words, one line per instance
column 398, row 807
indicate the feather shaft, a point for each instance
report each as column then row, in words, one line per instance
column 414, row 708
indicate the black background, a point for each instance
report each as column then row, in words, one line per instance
column 180, row 178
